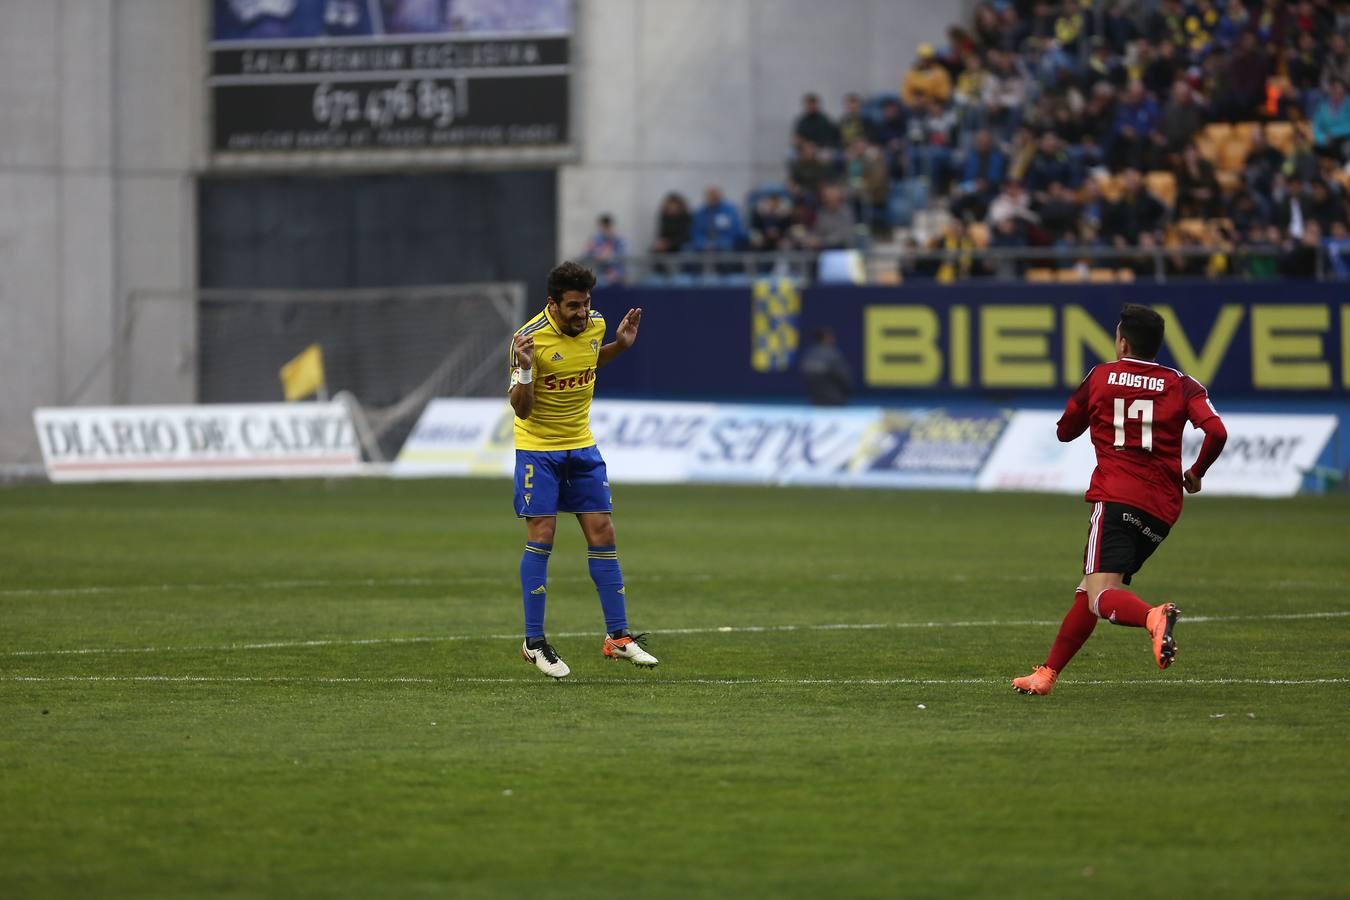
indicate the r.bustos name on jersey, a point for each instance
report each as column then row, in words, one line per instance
column 1131, row 380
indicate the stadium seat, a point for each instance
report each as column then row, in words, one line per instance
column 1110, row 187
column 1069, row 276
column 901, row 212
column 1124, row 274
column 1280, row 135
column 1207, row 148
column 1228, row 181
column 871, row 106
column 1233, row 155
column 1243, row 131
column 1040, row 275
column 918, row 191
column 768, row 189
column 1218, row 132
column 1163, row 185
column 1102, row 275
column 979, row 233
column 1196, row 229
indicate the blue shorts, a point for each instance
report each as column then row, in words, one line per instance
column 570, row 481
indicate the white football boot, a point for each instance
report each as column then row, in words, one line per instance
column 546, row 660
column 629, row 648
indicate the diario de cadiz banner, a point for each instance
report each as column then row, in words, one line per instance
column 1239, row 339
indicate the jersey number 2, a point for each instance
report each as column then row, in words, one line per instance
column 1141, row 410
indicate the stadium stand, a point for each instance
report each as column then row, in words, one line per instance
column 1200, row 133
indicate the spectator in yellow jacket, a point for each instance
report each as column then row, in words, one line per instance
column 927, row 80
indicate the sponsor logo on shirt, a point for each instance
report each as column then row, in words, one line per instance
column 571, row 382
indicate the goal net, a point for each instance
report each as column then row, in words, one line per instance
column 387, row 352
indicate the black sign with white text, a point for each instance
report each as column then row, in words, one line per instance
column 284, row 83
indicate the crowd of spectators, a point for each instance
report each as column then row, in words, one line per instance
column 1128, row 126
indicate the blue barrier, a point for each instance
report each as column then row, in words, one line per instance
column 1272, row 341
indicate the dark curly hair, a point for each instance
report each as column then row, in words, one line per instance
column 1143, row 328
column 569, row 276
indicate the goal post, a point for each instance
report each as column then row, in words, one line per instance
column 387, row 352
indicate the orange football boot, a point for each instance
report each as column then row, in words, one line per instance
column 630, row 648
column 1161, row 620
column 1041, row 681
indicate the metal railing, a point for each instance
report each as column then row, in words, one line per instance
column 885, row 264
column 711, row 267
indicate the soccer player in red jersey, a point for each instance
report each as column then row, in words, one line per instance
column 1135, row 411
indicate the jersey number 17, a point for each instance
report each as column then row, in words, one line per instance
column 1141, row 410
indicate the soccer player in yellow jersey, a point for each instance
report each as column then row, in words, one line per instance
column 554, row 357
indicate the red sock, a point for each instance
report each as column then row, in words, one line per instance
column 1122, row 608
column 1073, row 632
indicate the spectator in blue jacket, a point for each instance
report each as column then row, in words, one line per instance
column 1049, row 165
column 981, row 176
column 606, row 245
column 985, row 165
column 1338, row 251
column 1136, row 119
column 717, row 224
column 1331, row 123
column 890, row 133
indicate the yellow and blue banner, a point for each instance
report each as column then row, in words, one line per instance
column 775, row 306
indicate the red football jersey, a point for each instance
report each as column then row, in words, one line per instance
column 1136, row 411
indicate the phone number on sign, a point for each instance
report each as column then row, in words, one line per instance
column 423, row 101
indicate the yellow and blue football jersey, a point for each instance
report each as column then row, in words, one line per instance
column 564, row 382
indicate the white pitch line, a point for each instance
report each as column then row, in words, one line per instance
column 839, row 682
column 218, row 586
column 654, row 577
column 300, row 583
column 724, row 629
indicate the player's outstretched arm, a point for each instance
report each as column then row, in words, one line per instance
column 522, row 378
column 624, row 336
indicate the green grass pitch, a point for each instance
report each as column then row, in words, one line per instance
column 314, row 690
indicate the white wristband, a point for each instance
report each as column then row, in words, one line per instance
column 524, row 376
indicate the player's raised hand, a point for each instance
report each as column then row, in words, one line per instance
column 627, row 331
column 523, row 347
column 1191, row 482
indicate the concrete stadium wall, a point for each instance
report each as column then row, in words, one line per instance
column 100, row 134
column 103, row 130
column 680, row 95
